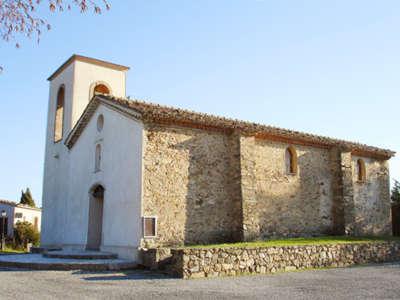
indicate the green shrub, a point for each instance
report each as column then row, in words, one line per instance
column 24, row 233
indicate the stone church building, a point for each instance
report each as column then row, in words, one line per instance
column 121, row 174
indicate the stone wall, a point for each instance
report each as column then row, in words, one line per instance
column 248, row 182
column 208, row 186
column 372, row 214
column 215, row 262
column 189, row 184
column 292, row 205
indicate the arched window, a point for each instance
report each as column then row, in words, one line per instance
column 291, row 160
column 361, row 171
column 97, row 163
column 101, row 89
column 100, row 123
column 59, row 116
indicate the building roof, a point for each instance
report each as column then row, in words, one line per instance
column 15, row 204
column 89, row 60
column 159, row 114
column 7, row 202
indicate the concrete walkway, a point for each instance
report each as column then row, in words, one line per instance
column 370, row 282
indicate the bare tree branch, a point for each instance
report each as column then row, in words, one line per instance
column 19, row 17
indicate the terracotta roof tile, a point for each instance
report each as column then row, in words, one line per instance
column 12, row 203
column 155, row 113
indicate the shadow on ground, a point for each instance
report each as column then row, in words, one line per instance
column 121, row 275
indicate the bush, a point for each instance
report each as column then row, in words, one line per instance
column 24, row 233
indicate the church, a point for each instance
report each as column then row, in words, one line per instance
column 122, row 174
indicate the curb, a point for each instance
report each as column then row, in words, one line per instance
column 69, row 266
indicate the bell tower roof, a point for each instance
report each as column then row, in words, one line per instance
column 89, row 60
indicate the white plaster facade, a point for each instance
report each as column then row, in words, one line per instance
column 70, row 175
column 20, row 213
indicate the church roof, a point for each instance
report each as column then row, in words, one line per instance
column 160, row 114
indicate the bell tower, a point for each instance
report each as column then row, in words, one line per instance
column 72, row 86
column 81, row 77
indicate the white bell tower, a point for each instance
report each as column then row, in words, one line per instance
column 72, row 86
column 79, row 76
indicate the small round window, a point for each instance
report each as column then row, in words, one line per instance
column 100, row 123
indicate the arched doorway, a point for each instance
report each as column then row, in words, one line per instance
column 95, row 223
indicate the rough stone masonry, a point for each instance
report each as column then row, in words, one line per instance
column 216, row 262
column 209, row 179
column 208, row 186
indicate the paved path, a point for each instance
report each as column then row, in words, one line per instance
column 40, row 262
column 40, row 259
column 370, row 282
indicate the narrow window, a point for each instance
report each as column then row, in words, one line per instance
column 361, row 172
column 59, row 117
column 291, row 160
column 101, row 89
column 97, row 164
column 149, row 226
column 100, row 123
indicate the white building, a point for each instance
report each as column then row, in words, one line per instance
column 74, row 214
column 19, row 213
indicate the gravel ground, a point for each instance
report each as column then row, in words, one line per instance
column 368, row 282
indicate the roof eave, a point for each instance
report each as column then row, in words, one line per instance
column 98, row 62
column 75, row 133
column 153, row 113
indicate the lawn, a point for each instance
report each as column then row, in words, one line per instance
column 11, row 251
column 325, row 240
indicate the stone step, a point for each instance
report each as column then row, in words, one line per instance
column 43, row 250
column 65, row 254
column 39, row 262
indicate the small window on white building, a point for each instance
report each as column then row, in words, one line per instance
column 149, row 227
column 18, row 215
column 97, row 163
column 100, row 123
column 59, row 115
column 101, row 89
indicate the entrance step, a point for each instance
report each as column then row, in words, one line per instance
column 39, row 262
column 73, row 254
column 43, row 250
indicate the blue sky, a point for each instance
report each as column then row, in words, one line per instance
column 324, row 67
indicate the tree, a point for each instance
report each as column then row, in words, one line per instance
column 396, row 193
column 26, row 198
column 24, row 233
column 19, row 17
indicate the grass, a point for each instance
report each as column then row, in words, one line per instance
column 11, row 250
column 325, row 240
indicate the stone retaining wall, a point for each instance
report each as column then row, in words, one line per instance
column 215, row 262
